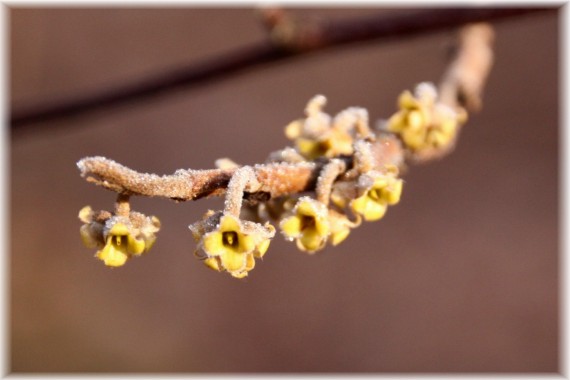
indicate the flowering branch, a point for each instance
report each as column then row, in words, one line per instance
column 353, row 170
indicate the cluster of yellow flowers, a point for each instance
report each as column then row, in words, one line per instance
column 360, row 187
column 227, row 243
column 117, row 237
column 423, row 122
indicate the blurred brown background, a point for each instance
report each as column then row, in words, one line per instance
column 461, row 276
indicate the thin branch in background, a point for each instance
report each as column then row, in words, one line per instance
column 297, row 41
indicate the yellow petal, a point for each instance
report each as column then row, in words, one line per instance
column 396, row 122
column 293, row 129
column 119, row 229
column 359, row 204
column 240, row 274
column 135, row 246
column 393, row 193
column 438, row 138
column 415, row 120
column 249, row 262
column 246, row 243
column 233, row 261
column 322, row 227
column 262, row 248
column 229, row 223
column 338, row 236
column 291, row 226
column 85, row 214
column 406, row 100
column 448, row 127
column 213, row 243
column 339, row 143
column 308, row 148
column 374, row 211
column 369, row 209
column 307, row 208
column 413, row 139
column 112, row 256
column 213, row 263
column 310, row 241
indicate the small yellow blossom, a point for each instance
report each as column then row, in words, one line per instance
column 120, row 245
column 316, row 135
column 231, row 244
column 384, row 190
column 309, row 225
column 333, row 143
column 422, row 122
column 117, row 237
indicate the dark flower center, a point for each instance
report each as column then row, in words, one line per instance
column 307, row 222
column 230, row 238
column 117, row 240
column 375, row 194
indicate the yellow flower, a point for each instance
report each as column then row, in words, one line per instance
column 422, row 122
column 231, row 244
column 315, row 137
column 373, row 203
column 309, row 225
column 120, row 246
column 333, row 143
column 117, row 237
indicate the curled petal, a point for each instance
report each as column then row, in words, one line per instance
column 371, row 210
column 394, row 192
column 262, row 248
column 310, row 241
column 249, row 262
column 291, row 226
column 233, row 261
column 85, row 214
column 293, row 129
column 213, row 244
column 213, row 263
column 407, row 100
column 339, row 236
column 135, row 246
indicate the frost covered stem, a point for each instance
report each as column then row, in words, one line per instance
column 243, row 179
column 270, row 180
column 328, row 175
column 122, row 206
column 462, row 83
column 183, row 185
